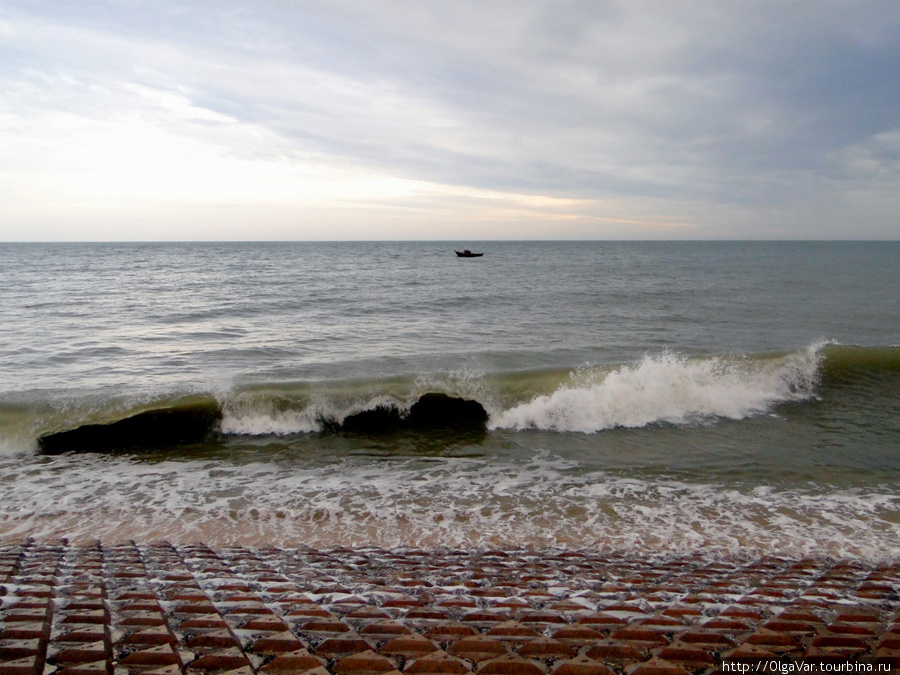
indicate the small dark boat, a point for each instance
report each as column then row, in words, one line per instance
column 468, row 254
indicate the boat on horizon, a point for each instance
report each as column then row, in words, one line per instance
column 467, row 254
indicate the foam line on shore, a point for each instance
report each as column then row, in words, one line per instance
column 437, row 501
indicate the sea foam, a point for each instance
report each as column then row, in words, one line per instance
column 664, row 388
column 668, row 388
column 462, row 502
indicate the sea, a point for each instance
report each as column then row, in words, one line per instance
column 651, row 399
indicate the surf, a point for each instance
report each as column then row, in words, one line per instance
column 660, row 389
column 671, row 389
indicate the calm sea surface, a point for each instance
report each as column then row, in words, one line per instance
column 649, row 398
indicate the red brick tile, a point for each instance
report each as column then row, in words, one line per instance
column 81, row 653
column 364, row 663
column 581, row 665
column 567, row 606
column 17, row 615
column 95, row 617
column 385, row 628
column 726, row 625
column 625, row 607
column 277, row 643
column 682, row 612
column 11, row 650
column 196, row 609
column 776, row 642
column 226, row 659
column 84, row 605
column 408, row 602
column 324, row 626
column 466, row 603
column 32, row 665
column 215, row 639
column 614, row 650
column 204, row 621
column 231, row 586
column 143, row 619
column 749, row 653
column 511, row 665
column 438, row 662
column 477, row 648
column 94, row 668
column 656, row 666
column 25, row 631
column 777, row 626
column 248, row 611
column 450, row 631
column 685, row 654
column 743, row 613
column 859, row 629
column 708, row 638
column 339, row 647
column 641, row 635
column 799, row 615
column 512, row 629
column 546, row 648
column 409, row 646
column 426, row 613
column 36, row 593
column 150, row 636
column 861, row 615
column 600, row 620
column 578, row 633
column 293, row 662
column 887, row 655
column 139, row 596
column 368, row 613
column 162, row 655
column 842, row 643
column 272, row 623
column 309, row 611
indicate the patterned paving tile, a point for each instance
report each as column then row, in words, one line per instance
column 159, row 609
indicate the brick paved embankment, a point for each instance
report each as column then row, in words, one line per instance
column 164, row 610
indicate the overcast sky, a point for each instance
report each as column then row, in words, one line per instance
column 283, row 119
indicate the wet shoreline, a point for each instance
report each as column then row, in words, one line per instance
column 159, row 608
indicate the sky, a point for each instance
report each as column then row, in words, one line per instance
column 409, row 119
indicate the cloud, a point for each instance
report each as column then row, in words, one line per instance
column 650, row 112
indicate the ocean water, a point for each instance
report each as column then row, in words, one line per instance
column 653, row 398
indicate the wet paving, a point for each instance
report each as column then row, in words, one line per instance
column 163, row 610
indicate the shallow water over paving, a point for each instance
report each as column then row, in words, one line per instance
column 160, row 608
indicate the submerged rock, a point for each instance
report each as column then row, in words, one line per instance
column 430, row 412
column 383, row 419
column 154, row 429
column 440, row 411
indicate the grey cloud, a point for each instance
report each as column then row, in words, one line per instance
column 735, row 102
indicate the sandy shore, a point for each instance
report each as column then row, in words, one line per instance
column 171, row 609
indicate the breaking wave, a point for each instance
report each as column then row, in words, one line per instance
column 671, row 389
column 666, row 388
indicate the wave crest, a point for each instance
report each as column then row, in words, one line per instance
column 669, row 388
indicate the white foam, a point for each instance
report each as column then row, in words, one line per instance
column 274, row 413
column 667, row 388
column 277, row 423
column 472, row 502
column 262, row 415
column 664, row 388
